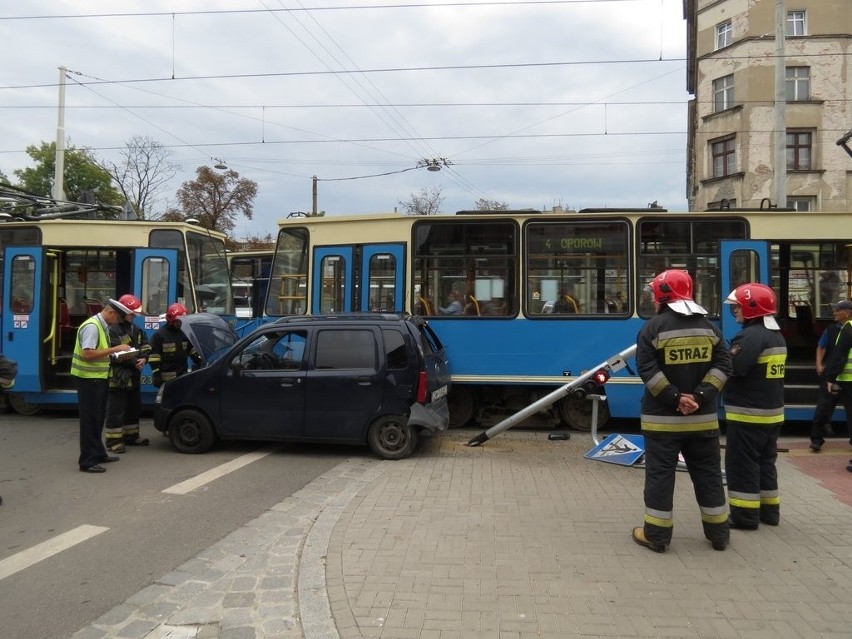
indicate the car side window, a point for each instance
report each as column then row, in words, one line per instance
column 273, row 351
column 396, row 354
column 340, row 349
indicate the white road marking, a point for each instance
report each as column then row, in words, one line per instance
column 39, row 552
column 215, row 473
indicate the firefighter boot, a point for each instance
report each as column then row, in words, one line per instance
column 639, row 538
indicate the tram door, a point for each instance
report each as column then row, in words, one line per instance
column 39, row 328
column 362, row 277
column 741, row 261
column 25, row 305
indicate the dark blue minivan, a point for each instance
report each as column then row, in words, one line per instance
column 375, row 379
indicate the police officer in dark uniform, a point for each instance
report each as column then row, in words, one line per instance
column 826, row 402
column 838, row 370
column 754, row 408
column 170, row 348
column 684, row 362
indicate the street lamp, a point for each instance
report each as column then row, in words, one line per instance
column 220, row 164
column 432, row 165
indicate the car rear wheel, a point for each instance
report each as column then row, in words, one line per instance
column 392, row 438
column 191, row 432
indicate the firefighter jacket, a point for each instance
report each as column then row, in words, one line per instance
column 678, row 354
column 169, row 351
column 754, row 394
column 839, row 366
column 123, row 374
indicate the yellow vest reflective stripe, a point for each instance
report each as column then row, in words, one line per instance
column 846, row 373
column 90, row 369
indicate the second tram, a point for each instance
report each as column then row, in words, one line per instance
column 525, row 300
column 58, row 272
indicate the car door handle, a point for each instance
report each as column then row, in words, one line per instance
column 365, row 381
column 288, row 381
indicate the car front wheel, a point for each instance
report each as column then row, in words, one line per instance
column 191, row 432
column 392, row 438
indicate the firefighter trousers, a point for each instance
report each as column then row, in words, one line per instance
column 704, row 463
column 750, row 456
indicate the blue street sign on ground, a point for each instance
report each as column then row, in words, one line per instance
column 624, row 450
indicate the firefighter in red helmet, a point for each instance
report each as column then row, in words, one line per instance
column 124, row 399
column 754, row 408
column 684, row 363
column 170, row 348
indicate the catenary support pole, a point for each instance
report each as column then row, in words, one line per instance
column 614, row 363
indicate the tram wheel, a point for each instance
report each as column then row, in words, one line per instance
column 577, row 413
column 22, row 407
column 462, row 405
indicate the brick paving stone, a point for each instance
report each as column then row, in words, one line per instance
column 517, row 538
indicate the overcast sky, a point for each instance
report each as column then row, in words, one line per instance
column 579, row 103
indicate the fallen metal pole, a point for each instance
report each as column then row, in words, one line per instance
column 614, row 363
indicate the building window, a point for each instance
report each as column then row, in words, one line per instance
column 798, row 84
column 796, row 23
column 802, row 203
column 724, row 152
column 799, row 150
column 724, row 34
column 723, row 93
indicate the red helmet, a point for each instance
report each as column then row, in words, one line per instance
column 131, row 302
column 671, row 286
column 755, row 299
column 174, row 312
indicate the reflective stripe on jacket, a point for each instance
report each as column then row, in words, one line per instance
column 92, row 368
column 678, row 354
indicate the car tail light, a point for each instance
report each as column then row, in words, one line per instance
column 422, row 387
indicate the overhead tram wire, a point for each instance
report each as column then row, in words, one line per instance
column 395, row 120
column 410, row 5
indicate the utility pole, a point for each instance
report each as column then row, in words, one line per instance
column 314, row 196
column 780, row 106
column 59, row 165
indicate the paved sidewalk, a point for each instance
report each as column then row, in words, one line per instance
column 518, row 538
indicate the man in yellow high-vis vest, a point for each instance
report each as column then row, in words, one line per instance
column 90, row 368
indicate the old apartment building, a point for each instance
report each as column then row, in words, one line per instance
column 731, row 74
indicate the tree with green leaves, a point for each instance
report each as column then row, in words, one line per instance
column 84, row 180
column 215, row 198
column 144, row 169
column 427, row 202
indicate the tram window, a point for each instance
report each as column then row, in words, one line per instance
column 577, row 268
column 382, row 282
column 288, row 291
column 209, row 267
column 89, row 276
column 155, row 285
column 169, row 238
column 691, row 245
column 466, row 266
column 333, row 269
column 23, row 284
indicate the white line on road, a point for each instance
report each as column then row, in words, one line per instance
column 215, row 473
column 39, row 552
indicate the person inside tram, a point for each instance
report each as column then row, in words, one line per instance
column 566, row 303
column 455, row 306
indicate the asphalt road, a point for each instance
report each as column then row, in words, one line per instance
column 148, row 532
